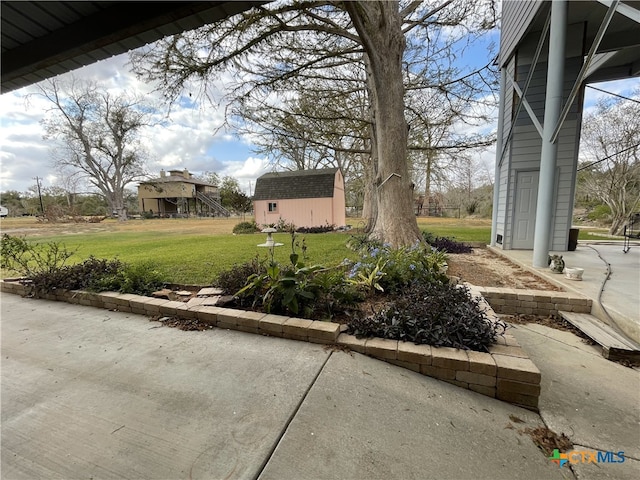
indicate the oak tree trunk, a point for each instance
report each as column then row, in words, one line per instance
column 379, row 27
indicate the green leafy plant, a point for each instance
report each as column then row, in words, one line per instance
column 362, row 243
column 246, row 227
column 368, row 276
column 282, row 289
column 391, row 270
column 438, row 314
column 87, row 275
column 44, row 265
column 295, row 288
column 140, row 278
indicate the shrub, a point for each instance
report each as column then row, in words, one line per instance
column 29, row 258
column 362, row 243
column 140, row 278
column 294, row 289
column 282, row 289
column 99, row 275
column 391, row 270
column 320, row 229
column 445, row 244
column 438, row 314
column 600, row 213
column 235, row 278
column 87, row 275
column 44, row 265
column 472, row 207
column 246, row 227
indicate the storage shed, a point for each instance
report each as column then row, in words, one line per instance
column 306, row 198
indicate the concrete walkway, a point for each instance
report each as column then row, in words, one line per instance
column 90, row 393
column 593, row 401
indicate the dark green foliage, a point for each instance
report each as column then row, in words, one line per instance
column 140, row 279
column 283, row 289
column 446, row 245
column 600, row 212
column 336, row 295
column 87, row 275
column 320, row 229
column 235, row 278
column 362, row 243
column 246, row 227
column 296, row 289
column 438, row 314
column 391, row 270
column 99, row 275
column 44, row 265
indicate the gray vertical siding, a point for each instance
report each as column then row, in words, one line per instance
column 503, row 185
column 525, row 150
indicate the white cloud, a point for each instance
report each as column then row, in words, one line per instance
column 247, row 172
column 183, row 137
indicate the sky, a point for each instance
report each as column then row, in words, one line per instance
column 189, row 138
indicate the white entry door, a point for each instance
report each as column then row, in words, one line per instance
column 524, row 220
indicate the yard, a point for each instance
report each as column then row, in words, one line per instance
column 194, row 251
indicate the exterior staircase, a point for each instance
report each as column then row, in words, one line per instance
column 213, row 204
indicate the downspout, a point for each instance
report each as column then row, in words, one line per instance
column 552, row 109
column 496, row 175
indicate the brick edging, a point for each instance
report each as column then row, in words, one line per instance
column 510, row 301
column 505, row 372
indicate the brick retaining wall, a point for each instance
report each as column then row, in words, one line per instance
column 509, row 301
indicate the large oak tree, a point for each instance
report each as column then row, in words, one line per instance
column 97, row 137
column 271, row 50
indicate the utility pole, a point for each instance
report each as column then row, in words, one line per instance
column 37, row 179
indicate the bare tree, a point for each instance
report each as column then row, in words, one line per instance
column 610, row 148
column 97, row 136
column 277, row 46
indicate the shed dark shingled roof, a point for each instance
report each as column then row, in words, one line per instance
column 298, row 184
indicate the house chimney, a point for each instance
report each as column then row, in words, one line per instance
column 186, row 173
column 162, row 173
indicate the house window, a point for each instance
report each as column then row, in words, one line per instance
column 273, row 207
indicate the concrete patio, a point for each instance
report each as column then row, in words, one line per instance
column 619, row 303
column 94, row 393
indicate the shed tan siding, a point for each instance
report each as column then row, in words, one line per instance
column 339, row 202
column 302, row 212
column 305, row 198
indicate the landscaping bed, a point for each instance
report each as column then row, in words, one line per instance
column 484, row 268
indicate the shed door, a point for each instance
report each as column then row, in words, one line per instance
column 524, row 219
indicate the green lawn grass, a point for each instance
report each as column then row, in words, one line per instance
column 195, row 251
column 197, row 259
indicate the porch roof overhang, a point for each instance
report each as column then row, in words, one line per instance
column 42, row 39
column 618, row 54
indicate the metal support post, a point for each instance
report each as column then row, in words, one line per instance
column 552, row 108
